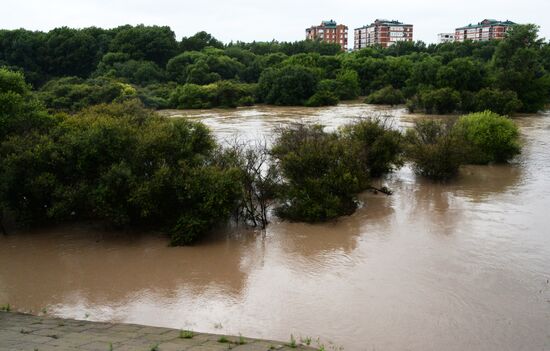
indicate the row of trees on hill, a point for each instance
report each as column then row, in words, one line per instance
column 71, row 69
column 125, row 165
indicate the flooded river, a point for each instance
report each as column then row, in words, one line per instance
column 457, row 266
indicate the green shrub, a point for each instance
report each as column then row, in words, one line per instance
column 489, row 137
column 192, row 96
column 386, row 96
column 220, row 94
column 378, row 147
column 230, row 95
column 289, row 85
column 321, row 175
column 123, row 165
column 434, row 150
column 72, row 94
column 348, row 87
column 440, row 101
column 501, row 102
column 246, row 101
column 157, row 96
column 20, row 111
column 322, row 98
column 130, row 71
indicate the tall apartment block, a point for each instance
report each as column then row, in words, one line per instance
column 485, row 30
column 329, row 32
column 383, row 33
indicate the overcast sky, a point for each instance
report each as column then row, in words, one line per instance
column 283, row 20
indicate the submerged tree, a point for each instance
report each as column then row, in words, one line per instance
column 434, row 150
column 259, row 180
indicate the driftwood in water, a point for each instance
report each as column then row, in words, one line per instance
column 384, row 190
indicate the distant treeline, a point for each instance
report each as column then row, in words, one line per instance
column 71, row 69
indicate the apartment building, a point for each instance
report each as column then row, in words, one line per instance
column 445, row 37
column 382, row 32
column 329, row 32
column 487, row 29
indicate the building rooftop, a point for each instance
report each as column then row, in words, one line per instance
column 385, row 22
column 330, row 23
column 488, row 22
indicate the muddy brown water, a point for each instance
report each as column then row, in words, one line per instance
column 457, row 266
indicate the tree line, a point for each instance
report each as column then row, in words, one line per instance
column 125, row 165
column 71, row 69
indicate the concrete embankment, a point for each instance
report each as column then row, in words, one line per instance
column 31, row 333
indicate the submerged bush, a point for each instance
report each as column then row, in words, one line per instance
column 220, row 94
column 386, row 96
column 322, row 98
column 192, row 96
column 123, row 165
column 489, row 137
column 377, row 145
column 434, row 150
column 321, row 174
column 440, row 101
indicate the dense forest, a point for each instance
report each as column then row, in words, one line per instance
column 70, row 69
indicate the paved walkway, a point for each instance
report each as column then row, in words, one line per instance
column 31, row 333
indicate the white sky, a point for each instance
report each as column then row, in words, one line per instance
column 283, row 20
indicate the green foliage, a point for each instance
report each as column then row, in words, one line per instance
column 148, row 43
column 348, row 85
column 70, row 52
column 501, row 102
column 178, row 65
column 377, row 146
column 136, row 72
column 321, row 173
column 220, row 94
column 20, row 112
column 424, row 72
column 198, row 42
column 322, row 98
column 461, row 74
column 192, row 96
column 156, row 96
column 483, row 74
column 186, row 334
column 223, row 340
column 344, row 87
column 292, row 343
column 289, row 85
column 386, row 96
column 440, row 101
column 434, row 150
column 123, row 165
column 518, row 67
column 489, row 137
column 71, row 94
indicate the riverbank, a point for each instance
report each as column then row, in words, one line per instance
column 27, row 332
